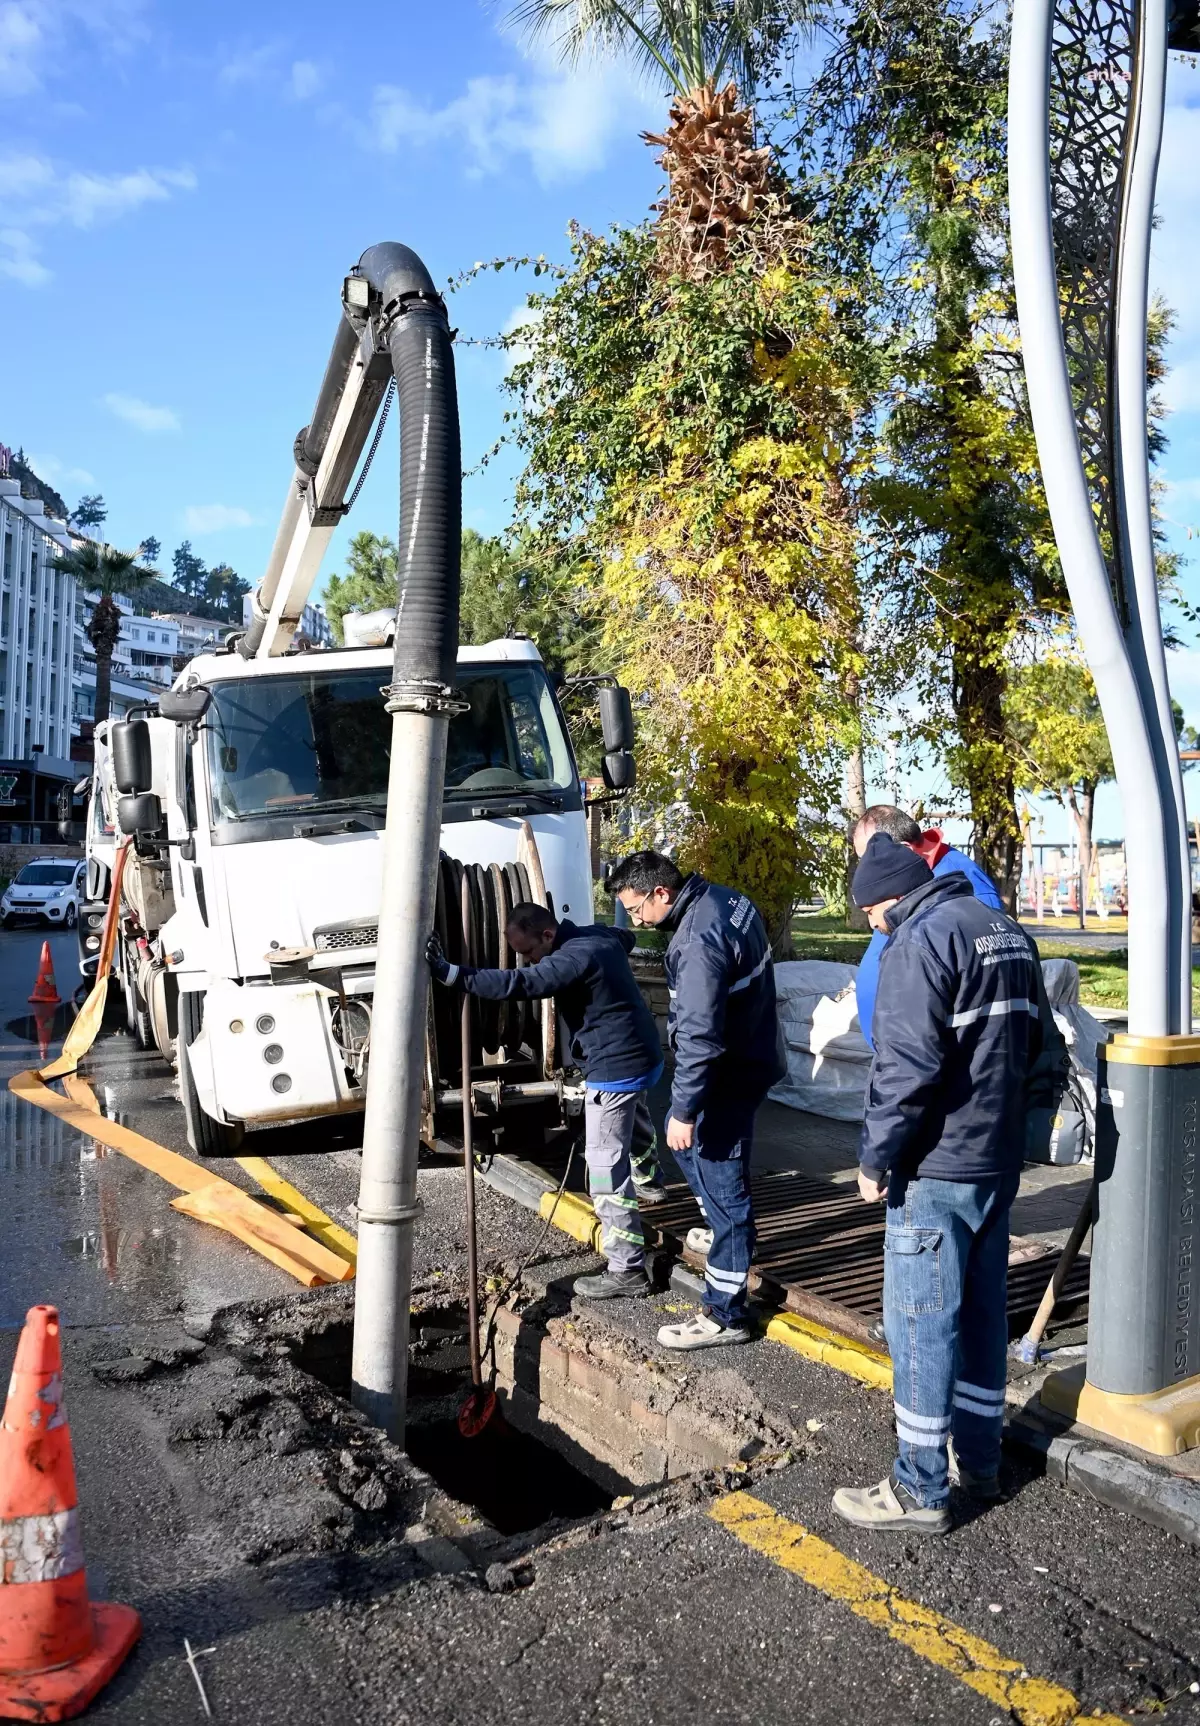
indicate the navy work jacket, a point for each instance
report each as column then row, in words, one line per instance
column 960, row 1026
column 723, row 1027
column 612, row 1030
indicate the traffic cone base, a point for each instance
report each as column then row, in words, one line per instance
column 45, row 990
column 56, row 1650
column 66, row 1692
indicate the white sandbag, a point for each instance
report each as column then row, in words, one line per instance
column 1083, row 1033
column 827, row 1054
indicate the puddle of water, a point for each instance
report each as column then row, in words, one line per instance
column 48, row 1025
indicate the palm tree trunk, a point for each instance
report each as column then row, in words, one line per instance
column 103, row 684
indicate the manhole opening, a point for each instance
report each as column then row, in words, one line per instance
column 513, row 1479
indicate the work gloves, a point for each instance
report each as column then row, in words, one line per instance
column 444, row 972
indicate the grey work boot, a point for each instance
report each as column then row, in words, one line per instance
column 612, row 1285
column 651, row 1192
column 701, row 1332
column 889, row 1508
column 984, row 1487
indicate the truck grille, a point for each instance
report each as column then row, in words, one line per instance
column 337, row 937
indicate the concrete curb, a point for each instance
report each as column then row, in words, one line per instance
column 1122, row 1482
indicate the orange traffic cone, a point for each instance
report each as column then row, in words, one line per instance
column 56, row 1650
column 45, row 989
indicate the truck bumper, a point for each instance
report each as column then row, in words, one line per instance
column 267, row 1054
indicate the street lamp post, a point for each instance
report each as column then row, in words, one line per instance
column 1086, row 101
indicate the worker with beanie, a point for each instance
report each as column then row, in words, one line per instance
column 960, row 1021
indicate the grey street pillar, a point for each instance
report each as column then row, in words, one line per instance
column 1086, row 101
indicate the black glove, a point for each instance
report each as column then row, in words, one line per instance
column 443, row 971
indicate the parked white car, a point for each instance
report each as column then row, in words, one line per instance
column 48, row 890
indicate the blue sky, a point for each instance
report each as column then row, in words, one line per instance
column 182, row 190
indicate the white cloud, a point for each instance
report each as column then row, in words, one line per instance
column 37, row 194
column 563, row 122
column 248, row 65
column 36, row 36
column 141, row 415
column 306, row 79
column 19, row 260
column 215, row 517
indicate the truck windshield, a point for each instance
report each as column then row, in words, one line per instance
column 280, row 745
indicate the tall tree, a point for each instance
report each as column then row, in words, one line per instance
column 90, row 511
column 150, row 550
column 1061, row 744
column 106, row 572
column 190, row 570
column 904, row 145
column 711, row 55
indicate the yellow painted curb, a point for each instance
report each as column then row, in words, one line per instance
column 573, row 1214
column 842, row 1353
column 314, row 1218
column 1003, row 1682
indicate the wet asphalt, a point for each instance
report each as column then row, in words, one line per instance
column 198, row 1513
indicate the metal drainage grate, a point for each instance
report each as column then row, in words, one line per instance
column 820, row 1251
column 337, row 937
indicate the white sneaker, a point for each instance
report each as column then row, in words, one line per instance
column 701, row 1332
column 699, row 1241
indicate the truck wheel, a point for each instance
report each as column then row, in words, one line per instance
column 207, row 1138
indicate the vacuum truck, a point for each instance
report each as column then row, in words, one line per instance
column 253, row 799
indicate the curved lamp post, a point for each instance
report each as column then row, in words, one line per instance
column 1086, row 99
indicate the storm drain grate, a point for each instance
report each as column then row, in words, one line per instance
column 820, row 1252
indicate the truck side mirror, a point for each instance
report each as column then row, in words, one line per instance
column 186, row 706
column 616, row 718
column 619, row 770
column 141, row 814
column 133, row 768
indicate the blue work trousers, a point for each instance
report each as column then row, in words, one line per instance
column 717, row 1168
column 945, row 1289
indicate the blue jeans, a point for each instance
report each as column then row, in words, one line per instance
column 717, row 1168
column 945, row 1288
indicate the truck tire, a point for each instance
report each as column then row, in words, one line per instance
column 207, row 1138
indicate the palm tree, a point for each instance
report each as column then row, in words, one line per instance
column 712, row 54
column 104, row 570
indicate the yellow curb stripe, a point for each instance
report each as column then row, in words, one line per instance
column 315, row 1220
column 974, row 1662
column 843, row 1353
column 573, row 1214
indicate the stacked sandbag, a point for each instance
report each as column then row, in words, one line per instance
column 827, row 1055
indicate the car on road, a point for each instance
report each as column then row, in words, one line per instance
column 47, row 890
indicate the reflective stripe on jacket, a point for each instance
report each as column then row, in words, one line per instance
column 959, row 1028
column 723, row 1027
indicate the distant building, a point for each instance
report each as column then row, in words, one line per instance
column 196, row 634
column 143, row 662
column 315, row 627
column 37, row 609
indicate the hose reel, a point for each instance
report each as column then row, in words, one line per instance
column 501, row 1031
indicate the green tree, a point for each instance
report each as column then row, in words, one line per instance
column 150, row 551
column 1061, row 744
column 90, row 511
column 369, row 582
column 190, row 572
column 106, row 572
column 903, row 144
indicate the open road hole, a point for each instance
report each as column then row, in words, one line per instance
column 514, row 1479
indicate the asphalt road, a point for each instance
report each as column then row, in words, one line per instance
column 218, row 1499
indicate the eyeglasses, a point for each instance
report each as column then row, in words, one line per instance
column 636, row 910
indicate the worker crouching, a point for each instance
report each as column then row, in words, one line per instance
column 615, row 1044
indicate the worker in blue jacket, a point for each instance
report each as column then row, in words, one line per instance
column 943, row 859
column 960, row 1027
column 724, row 1033
column 615, row 1043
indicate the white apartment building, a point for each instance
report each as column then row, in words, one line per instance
column 143, row 661
column 196, row 634
column 37, row 617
